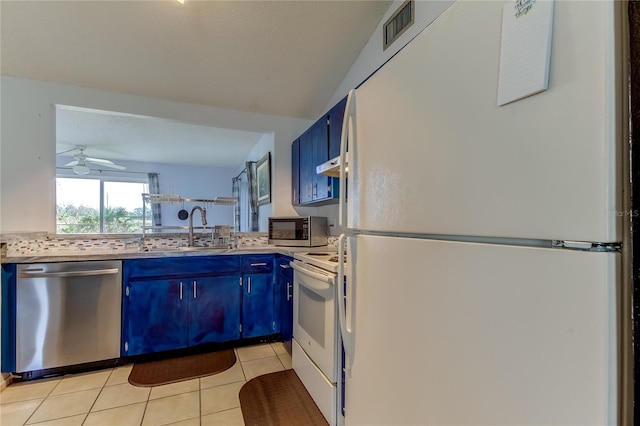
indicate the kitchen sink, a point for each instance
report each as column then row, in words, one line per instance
column 188, row 248
column 194, row 248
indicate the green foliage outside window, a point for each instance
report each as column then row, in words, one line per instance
column 78, row 206
column 86, row 220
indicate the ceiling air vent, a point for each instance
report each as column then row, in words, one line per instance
column 401, row 20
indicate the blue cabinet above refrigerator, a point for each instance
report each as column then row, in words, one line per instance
column 316, row 145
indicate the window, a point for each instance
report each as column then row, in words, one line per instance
column 91, row 206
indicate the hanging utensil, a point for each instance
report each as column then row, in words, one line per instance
column 183, row 214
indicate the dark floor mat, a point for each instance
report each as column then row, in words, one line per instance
column 156, row 373
column 278, row 399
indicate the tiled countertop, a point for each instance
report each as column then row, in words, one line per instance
column 64, row 256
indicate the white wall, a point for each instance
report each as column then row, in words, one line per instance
column 372, row 56
column 27, row 142
column 262, row 147
column 370, row 59
column 27, row 148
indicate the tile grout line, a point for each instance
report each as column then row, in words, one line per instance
column 200, row 387
column 42, row 402
column 200, row 401
column 146, row 406
column 97, row 396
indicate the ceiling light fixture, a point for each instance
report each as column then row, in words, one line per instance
column 180, row 1
column 80, row 168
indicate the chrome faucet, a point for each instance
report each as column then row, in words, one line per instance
column 203, row 213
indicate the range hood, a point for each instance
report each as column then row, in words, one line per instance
column 331, row 168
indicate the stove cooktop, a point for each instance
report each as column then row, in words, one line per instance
column 324, row 260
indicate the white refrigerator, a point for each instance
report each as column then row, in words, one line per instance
column 483, row 242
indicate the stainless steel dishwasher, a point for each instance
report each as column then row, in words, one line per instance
column 67, row 313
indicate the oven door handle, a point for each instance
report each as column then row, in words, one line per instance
column 322, row 277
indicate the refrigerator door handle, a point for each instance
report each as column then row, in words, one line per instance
column 349, row 110
column 345, row 300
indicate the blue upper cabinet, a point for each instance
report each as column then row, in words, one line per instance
column 295, row 172
column 336, row 116
column 316, row 145
column 320, row 185
column 307, row 169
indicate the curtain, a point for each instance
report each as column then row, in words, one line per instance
column 244, row 205
column 253, row 195
column 235, row 193
column 154, row 188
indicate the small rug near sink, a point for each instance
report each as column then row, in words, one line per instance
column 163, row 372
column 278, row 399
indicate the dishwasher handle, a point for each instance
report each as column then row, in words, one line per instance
column 39, row 273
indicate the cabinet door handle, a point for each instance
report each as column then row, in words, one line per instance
column 249, row 285
column 259, row 264
column 288, row 293
column 195, row 289
column 315, row 190
column 180, row 290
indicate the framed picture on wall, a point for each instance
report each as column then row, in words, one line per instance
column 263, row 172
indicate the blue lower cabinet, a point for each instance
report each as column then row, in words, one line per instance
column 177, row 313
column 284, row 299
column 214, row 310
column 8, row 291
column 257, row 305
column 174, row 303
column 157, row 317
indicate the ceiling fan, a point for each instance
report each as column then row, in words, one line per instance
column 79, row 164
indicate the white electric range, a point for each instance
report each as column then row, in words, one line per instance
column 316, row 335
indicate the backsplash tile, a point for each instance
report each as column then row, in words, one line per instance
column 43, row 244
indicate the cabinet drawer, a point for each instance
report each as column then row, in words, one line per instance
column 180, row 266
column 257, row 263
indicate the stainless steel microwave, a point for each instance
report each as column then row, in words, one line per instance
column 307, row 231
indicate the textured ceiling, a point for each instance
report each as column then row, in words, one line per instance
column 274, row 57
column 117, row 136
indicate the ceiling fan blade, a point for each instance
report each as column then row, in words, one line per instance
column 115, row 166
column 99, row 160
column 72, row 163
column 105, row 163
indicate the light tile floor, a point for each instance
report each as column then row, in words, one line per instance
column 105, row 397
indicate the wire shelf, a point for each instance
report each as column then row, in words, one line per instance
column 174, row 198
